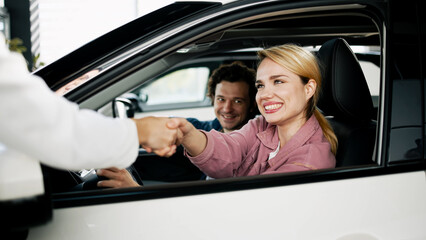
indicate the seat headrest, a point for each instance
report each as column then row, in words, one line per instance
column 345, row 92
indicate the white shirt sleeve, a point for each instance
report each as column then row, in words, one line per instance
column 37, row 122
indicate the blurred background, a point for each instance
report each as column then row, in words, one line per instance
column 52, row 28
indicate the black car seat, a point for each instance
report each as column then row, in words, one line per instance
column 346, row 102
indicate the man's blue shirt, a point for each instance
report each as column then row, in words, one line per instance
column 205, row 125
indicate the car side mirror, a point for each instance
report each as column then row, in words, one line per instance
column 143, row 96
column 122, row 108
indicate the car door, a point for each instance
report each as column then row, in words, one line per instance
column 382, row 200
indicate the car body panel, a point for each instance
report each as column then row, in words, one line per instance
column 379, row 207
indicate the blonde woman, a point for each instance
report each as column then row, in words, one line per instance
column 291, row 135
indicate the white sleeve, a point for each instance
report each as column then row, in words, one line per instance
column 37, row 122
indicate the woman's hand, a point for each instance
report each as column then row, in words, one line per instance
column 193, row 140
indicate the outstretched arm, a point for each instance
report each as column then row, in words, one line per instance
column 41, row 124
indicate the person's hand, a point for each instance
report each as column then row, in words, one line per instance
column 182, row 126
column 118, row 178
column 155, row 136
column 193, row 140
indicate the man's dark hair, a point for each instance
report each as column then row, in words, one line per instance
column 234, row 72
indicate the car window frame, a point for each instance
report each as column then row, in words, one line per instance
column 183, row 189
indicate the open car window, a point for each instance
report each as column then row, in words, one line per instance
column 170, row 77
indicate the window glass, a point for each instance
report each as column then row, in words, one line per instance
column 405, row 72
column 371, row 71
column 372, row 75
column 406, row 120
column 184, row 85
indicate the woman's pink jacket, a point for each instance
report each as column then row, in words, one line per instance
column 245, row 152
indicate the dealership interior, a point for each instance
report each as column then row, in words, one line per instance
column 50, row 29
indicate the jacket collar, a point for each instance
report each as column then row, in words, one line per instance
column 269, row 137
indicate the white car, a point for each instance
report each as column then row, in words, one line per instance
column 377, row 190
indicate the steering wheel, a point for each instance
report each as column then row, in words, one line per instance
column 88, row 179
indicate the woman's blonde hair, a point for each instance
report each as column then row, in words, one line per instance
column 304, row 64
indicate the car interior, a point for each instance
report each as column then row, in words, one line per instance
column 347, row 102
column 346, row 98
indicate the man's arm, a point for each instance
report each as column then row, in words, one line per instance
column 37, row 122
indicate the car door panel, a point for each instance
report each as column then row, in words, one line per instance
column 360, row 208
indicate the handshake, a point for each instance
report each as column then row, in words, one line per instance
column 162, row 135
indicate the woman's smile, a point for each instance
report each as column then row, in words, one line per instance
column 272, row 107
column 281, row 95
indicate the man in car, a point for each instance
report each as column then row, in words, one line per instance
column 232, row 91
column 231, row 88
